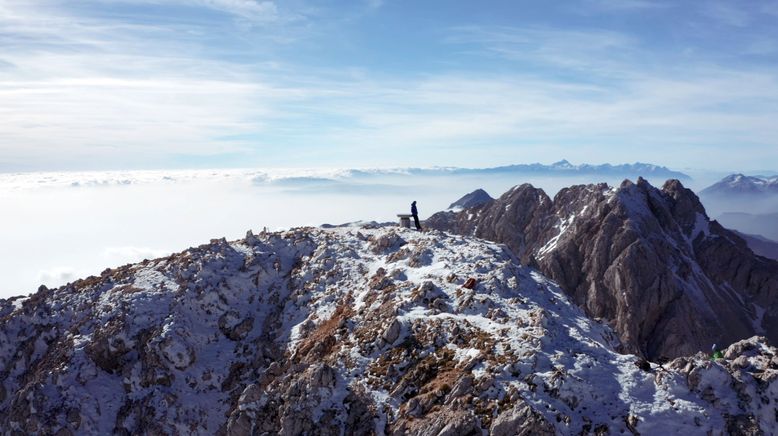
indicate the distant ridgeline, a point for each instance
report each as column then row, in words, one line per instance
column 561, row 168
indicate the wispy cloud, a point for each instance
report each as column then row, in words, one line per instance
column 78, row 89
column 95, row 88
column 251, row 9
column 591, row 50
column 623, row 5
column 734, row 14
column 254, row 10
column 770, row 7
column 374, row 4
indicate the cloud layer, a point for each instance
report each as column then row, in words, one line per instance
column 58, row 227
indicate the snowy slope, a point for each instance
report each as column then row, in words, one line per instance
column 356, row 330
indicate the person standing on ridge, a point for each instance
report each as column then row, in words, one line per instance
column 415, row 214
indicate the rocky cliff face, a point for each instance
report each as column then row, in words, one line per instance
column 649, row 261
column 350, row 331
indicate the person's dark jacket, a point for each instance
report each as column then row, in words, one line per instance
column 414, row 211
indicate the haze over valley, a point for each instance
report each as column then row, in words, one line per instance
column 66, row 225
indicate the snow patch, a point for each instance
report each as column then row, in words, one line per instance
column 562, row 226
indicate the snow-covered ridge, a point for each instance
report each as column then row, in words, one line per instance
column 349, row 329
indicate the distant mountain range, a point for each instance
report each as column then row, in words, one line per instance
column 320, row 178
column 746, row 203
column 561, row 168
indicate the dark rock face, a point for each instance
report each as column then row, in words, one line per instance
column 648, row 260
column 473, row 199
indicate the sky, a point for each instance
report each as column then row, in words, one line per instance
column 159, row 84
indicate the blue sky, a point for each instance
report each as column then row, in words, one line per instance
column 126, row 84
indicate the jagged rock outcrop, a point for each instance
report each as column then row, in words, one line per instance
column 331, row 332
column 649, row 261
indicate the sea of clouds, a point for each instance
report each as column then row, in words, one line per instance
column 58, row 227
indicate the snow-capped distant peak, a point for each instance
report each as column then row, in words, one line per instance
column 562, row 164
column 740, row 184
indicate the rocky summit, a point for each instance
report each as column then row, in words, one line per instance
column 649, row 261
column 352, row 330
column 476, row 198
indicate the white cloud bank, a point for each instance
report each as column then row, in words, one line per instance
column 53, row 231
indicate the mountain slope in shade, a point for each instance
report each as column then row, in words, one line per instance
column 758, row 224
column 648, row 260
column 350, row 331
column 761, row 245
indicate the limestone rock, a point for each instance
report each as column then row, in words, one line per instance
column 646, row 260
column 521, row 420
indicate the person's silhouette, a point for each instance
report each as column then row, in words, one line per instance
column 415, row 213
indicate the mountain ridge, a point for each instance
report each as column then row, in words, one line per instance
column 648, row 260
column 560, row 168
column 358, row 330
